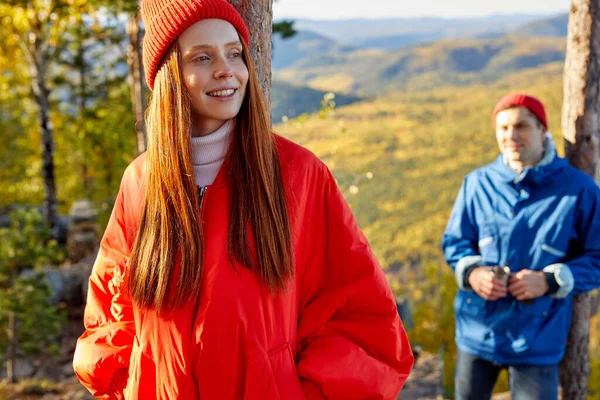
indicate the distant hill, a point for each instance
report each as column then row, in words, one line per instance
column 395, row 42
column 292, row 101
column 312, row 63
column 327, row 37
column 465, row 61
column 352, row 31
column 304, row 44
column 555, row 27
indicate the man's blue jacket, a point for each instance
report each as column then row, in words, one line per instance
column 546, row 218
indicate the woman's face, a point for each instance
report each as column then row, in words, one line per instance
column 214, row 73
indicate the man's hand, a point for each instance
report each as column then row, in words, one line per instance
column 527, row 284
column 484, row 283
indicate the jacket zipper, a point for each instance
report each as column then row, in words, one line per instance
column 201, row 194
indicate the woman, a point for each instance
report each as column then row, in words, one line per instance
column 231, row 266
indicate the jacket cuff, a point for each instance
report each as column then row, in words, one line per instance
column 462, row 266
column 564, row 277
column 553, row 286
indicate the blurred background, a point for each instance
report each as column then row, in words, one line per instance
column 395, row 97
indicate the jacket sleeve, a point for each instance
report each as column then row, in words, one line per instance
column 459, row 242
column 585, row 269
column 351, row 342
column 105, row 346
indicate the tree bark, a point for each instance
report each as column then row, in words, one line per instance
column 11, row 351
column 134, row 61
column 258, row 15
column 582, row 138
column 575, row 365
column 82, row 89
column 50, row 197
column 36, row 52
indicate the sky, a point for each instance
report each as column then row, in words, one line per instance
column 345, row 9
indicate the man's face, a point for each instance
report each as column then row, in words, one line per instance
column 520, row 137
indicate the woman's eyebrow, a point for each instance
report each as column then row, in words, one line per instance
column 208, row 46
column 198, row 47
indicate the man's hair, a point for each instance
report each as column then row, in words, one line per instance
column 528, row 111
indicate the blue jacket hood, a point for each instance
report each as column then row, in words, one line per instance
column 549, row 165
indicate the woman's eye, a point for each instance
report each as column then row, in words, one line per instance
column 201, row 58
column 236, row 54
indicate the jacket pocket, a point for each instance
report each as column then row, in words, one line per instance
column 470, row 312
column 539, row 307
column 285, row 374
column 548, row 253
column 551, row 254
column 469, row 303
column 551, row 250
column 539, row 328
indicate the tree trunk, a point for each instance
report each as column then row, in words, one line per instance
column 37, row 55
column 11, row 350
column 134, row 61
column 258, row 15
column 50, row 198
column 580, row 128
column 81, row 134
column 575, row 365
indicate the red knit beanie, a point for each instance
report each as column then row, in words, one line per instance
column 165, row 20
column 522, row 100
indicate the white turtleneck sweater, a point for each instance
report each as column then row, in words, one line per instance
column 208, row 153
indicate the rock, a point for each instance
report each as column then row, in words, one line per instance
column 68, row 285
column 54, row 280
column 82, row 240
column 57, row 285
column 83, row 230
column 82, row 211
column 74, row 281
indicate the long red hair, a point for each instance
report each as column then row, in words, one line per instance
column 170, row 230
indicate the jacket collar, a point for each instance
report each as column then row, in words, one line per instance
column 532, row 176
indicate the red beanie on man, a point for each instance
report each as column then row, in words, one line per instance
column 522, row 100
column 165, row 20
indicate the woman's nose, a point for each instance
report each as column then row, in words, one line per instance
column 223, row 70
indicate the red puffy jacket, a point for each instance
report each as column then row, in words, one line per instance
column 334, row 334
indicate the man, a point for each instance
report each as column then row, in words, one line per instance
column 523, row 238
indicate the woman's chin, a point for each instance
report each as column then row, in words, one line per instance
column 225, row 114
